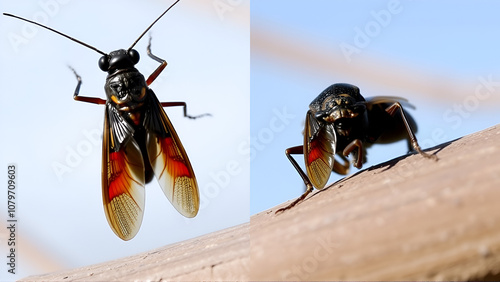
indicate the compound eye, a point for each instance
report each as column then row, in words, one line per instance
column 104, row 63
column 134, row 56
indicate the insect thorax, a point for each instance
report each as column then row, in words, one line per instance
column 126, row 89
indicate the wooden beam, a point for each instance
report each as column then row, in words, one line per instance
column 407, row 219
column 222, row 255
column 410, row 218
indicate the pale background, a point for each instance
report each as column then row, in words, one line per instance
column 436, row 54
column 61, row 219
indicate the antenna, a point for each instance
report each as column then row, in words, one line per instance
column 149, row 27
column 58, row 32
column 85, row 44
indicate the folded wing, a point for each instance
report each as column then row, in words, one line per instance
column 319, row 150
column 170, row 162
column 122, row 178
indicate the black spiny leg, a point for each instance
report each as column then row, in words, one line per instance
column 392, row 110
column 157, row 72
column 355, row 144
column 93, row 100
column 309, row 187
column 159, row 69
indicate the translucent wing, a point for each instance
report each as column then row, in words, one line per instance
column 389, row 100
column 122, row 178
column 319, row 150
column 170, row 162
column 397, row 125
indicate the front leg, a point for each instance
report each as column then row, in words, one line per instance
column 159, row 69
column 342, row 168
column 92, row 100
column 355, row 144
column 157, row 72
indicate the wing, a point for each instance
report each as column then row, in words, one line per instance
column 169, row 161
column 389, row 100
column 319, row 150
column 122, row 177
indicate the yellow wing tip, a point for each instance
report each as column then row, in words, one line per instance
column 124, row 216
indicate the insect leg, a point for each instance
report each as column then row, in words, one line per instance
column 413, row 139
column 307, row 182
column 184, row 105
column 355, row 144
column 159, row 69
column 92, row 100
column 341, row 168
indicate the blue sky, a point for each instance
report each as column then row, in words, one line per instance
column 434, row 53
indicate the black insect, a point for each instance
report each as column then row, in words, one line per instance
column 139, row 141
column 340, row 121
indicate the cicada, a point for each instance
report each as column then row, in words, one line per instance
column 340, row 121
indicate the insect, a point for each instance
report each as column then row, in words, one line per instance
column 340, row 121
column 139, row 141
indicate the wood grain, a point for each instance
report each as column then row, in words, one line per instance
column 410, row 218
column 407, row 219
column 222, row 255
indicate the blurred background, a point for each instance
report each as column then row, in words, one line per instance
column 56, row 142
column 441, row 55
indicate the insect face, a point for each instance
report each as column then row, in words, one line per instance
column 127, row 89
column 340, row 105
column 338, row 101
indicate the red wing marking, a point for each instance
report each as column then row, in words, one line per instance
column 171, row 164
column 175, row 162
column 314, row 152
column 119, row 178
column 319, row 151
column 122, row 185
column 175, row 175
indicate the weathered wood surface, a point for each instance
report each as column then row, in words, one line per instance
column 410, row 218
column 222, row 255
column 407, row 219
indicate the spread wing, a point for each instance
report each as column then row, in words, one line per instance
column 319, row 150
column 122, row 177
column 169, row 161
